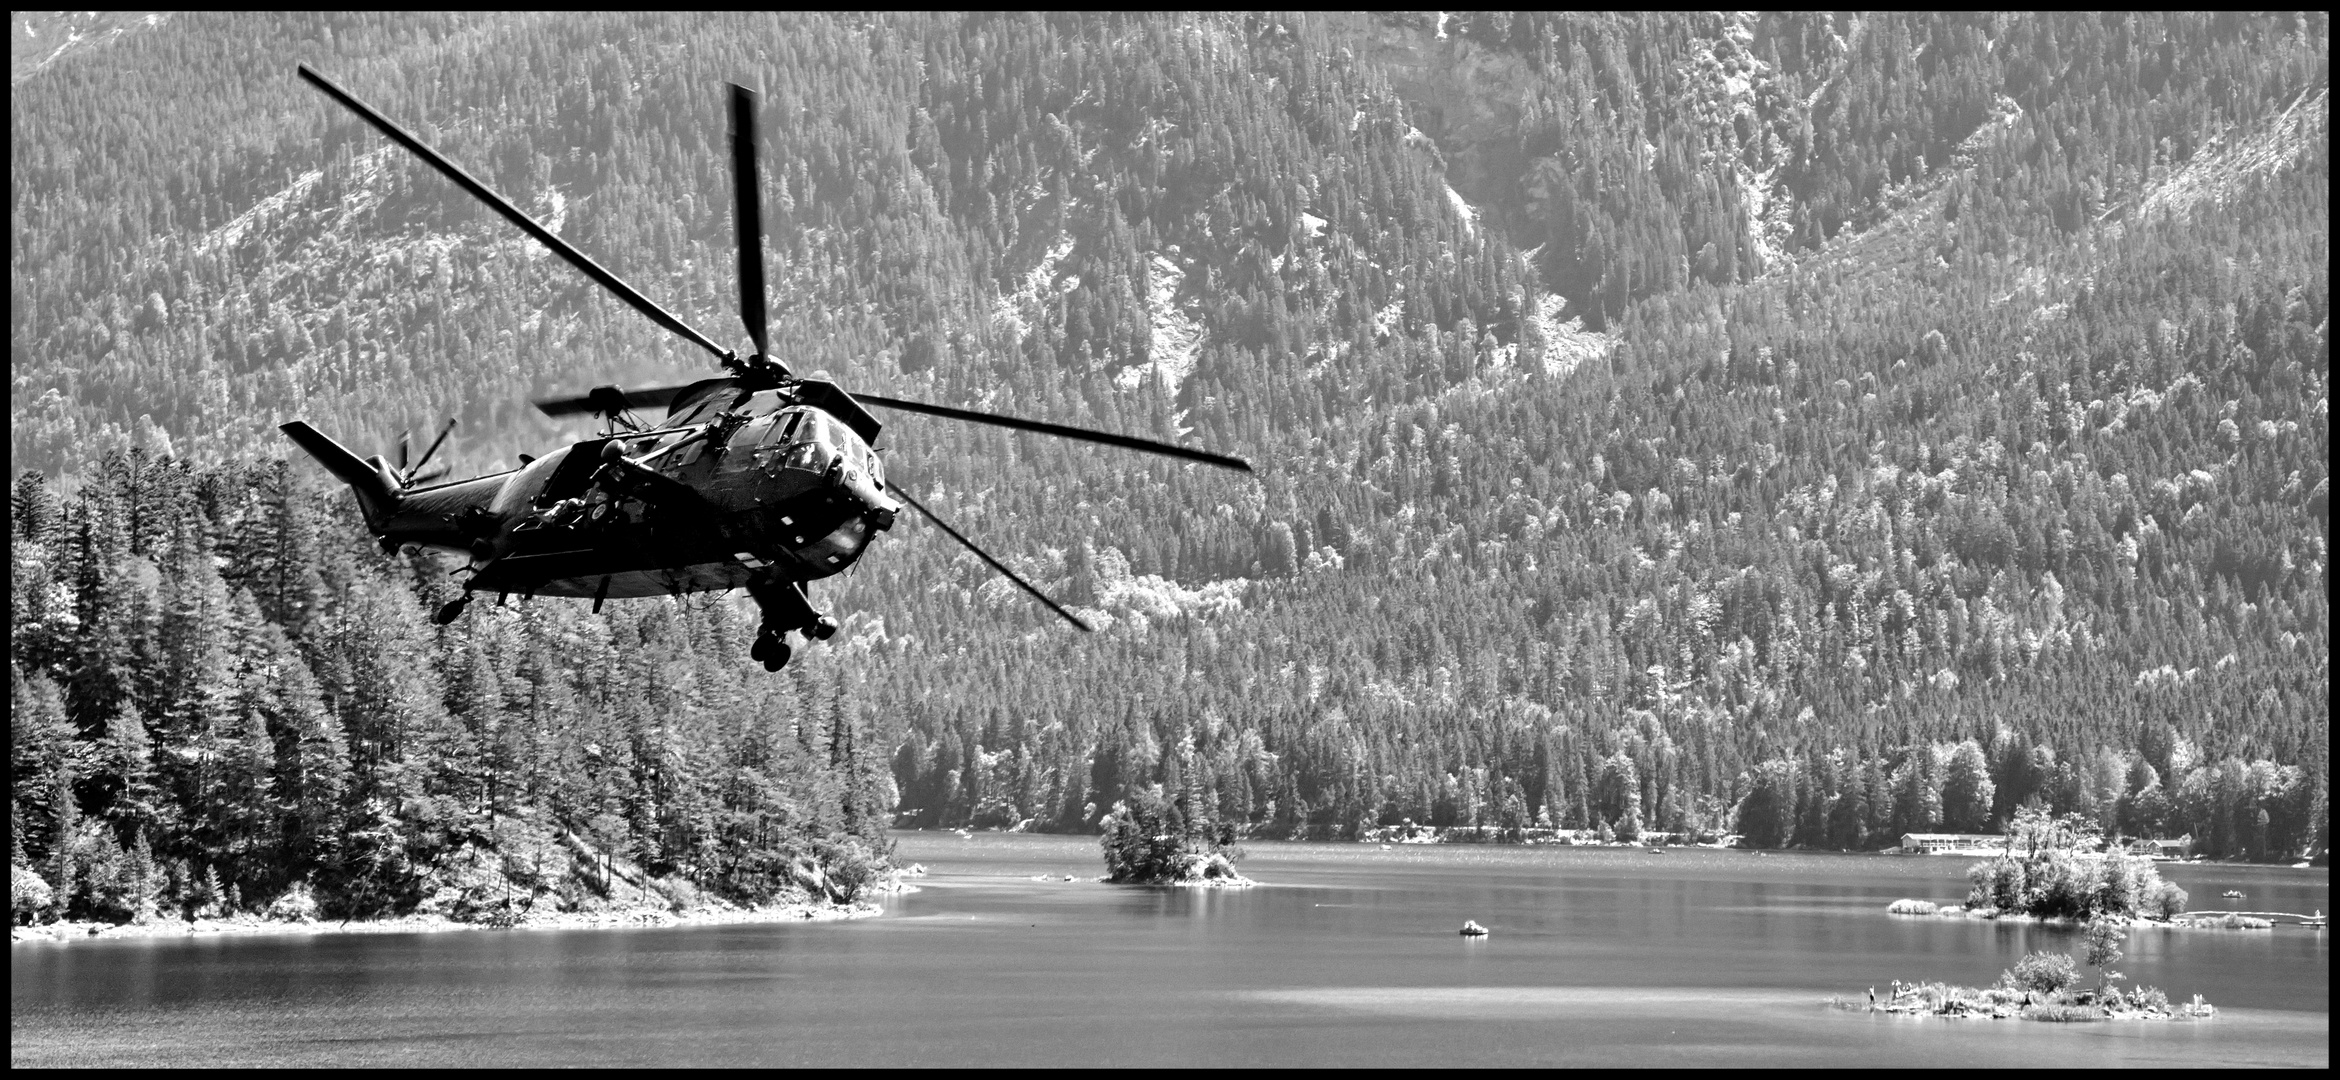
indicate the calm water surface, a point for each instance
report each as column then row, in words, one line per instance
column 1348, row 956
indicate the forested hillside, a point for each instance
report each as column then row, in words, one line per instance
column 1814, row 427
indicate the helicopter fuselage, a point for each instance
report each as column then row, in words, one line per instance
column 735, row 488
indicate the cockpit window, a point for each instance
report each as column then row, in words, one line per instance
column 810, row 440
column 807, row 457
column 784, row 428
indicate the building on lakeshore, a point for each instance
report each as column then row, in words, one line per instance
column 2164, row 849
column 1930, row 843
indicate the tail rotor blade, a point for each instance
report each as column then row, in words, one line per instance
column 748, row 216
column 512, row 213
column 402, row 437
column 435, row 444
column 896, row 490
column 1061, row 431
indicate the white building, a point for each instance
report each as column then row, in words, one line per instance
column 1931, row 843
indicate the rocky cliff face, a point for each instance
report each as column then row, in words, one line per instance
column 1466, row 99
column 37, row 39
column 1688, row 130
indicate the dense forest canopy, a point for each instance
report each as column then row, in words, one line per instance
column 1809, row 426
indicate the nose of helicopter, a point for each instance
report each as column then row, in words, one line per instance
column 877, row 508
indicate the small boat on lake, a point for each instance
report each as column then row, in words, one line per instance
column 2232, row 894
column 1471, row 928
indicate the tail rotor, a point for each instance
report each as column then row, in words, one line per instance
column 409, row 476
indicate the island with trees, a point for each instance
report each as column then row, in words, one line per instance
column 2045, row 986
column 1150, row 840
column 2055, row 869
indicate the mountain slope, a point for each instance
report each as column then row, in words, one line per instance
column 1680, row 422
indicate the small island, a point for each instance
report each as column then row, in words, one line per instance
column 1151, row 840
column 2042, row 986
column 2054, row 870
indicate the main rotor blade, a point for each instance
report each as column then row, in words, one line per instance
column 435, row 443
column 748, row 216
column 896, row 490
column 645, row 398
column 1060, row 431
column 512, row 213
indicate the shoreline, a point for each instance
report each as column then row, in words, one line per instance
column 626, row 919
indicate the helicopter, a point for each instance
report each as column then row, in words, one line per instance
column 758, row 478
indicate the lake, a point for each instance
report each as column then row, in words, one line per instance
column 1346, row 955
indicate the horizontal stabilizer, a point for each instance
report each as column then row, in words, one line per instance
column 377, row 490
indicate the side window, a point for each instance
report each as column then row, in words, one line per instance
column 835, row 436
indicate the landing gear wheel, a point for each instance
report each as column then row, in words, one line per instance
column 451, row 610
column 822, row 629
column 771, row 650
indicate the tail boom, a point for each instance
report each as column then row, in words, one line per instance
column 454, row 517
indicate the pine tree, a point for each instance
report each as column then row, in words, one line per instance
column 1967, row 790
column 42, row 769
